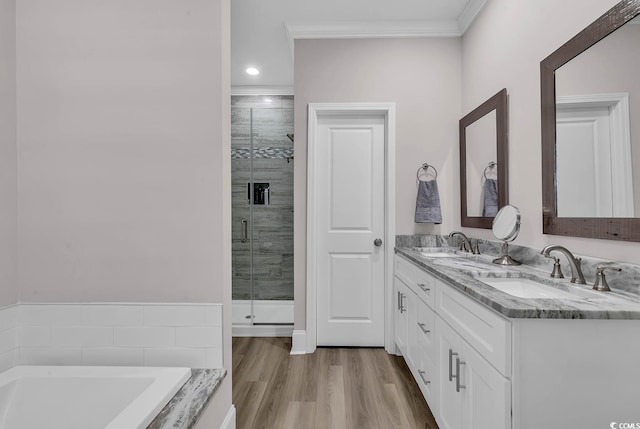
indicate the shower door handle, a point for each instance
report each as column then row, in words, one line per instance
column 245, row 230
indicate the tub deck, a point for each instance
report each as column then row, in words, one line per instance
column 183, row 411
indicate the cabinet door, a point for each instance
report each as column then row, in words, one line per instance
column 427, row 376
column 487, row 394
column 473, row 394
column 413, row 349
column 426, row 328
column 401, row 316
column 449, row 399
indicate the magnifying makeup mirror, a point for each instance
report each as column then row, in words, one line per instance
column 506, row 226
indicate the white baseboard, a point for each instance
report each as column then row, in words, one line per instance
column 262, row 331
column 230, row 421
column 299, row 342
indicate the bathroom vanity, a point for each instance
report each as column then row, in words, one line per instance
column 547, row 355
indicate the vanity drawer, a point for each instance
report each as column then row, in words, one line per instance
column 425, row 327
column 423, row 284
column 485, row 330
column 426, row 378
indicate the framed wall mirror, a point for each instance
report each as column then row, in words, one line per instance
column 590, row 100
column 483, row 162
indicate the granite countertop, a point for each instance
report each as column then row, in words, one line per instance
column 184, row 409
column 466, row 272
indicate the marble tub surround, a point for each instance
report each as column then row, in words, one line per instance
column 184, row 410
column 628, row 280
column 465, row 273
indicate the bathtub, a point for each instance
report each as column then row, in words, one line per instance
column 83, row 397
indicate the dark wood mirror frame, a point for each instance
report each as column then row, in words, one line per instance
column 627, row 229
column 498, row 103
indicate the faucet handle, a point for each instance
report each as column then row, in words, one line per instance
column 557, row 271
column 601, row 281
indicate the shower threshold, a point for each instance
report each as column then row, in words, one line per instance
column 270, row 318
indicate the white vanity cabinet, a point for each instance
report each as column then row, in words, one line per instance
column 478, row 369
column 437, row 329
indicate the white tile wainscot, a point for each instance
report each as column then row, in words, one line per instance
column 9, row 344
column 137, row 334
column 479, row 369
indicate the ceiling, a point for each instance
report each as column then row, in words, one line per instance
column 262, row 31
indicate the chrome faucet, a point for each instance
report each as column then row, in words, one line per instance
column 574, row 263
column 466, row 243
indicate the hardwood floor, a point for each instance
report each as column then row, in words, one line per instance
column 341, row 388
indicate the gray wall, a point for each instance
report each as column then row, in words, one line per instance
column 8, row 157
column 123, row 151
column 272, row 224
column 422, row 76
column 503, row 49
column 123, row 144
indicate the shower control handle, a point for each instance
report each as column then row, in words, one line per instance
column 377, row 242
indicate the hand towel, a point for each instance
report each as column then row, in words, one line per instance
column 490, row 199
column 428, row 203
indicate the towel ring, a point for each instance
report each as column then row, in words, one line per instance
column 491, row 166
column 426, row 167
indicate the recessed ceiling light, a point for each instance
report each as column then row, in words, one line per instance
column 252, row 71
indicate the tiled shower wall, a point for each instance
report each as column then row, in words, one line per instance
column 272, row 224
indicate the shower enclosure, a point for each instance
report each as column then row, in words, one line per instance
column 262, row 214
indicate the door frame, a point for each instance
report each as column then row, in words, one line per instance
column 316, row 111
column 620, row 129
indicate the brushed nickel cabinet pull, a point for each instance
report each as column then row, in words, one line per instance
column 422, row 374
column 451, row 355
column 424, row 287
column 458, row 385
column 423, row 328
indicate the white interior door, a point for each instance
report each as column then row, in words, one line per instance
column 584, row 163
column 350, row 205
column 593, row 156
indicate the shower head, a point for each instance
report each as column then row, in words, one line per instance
column 290, row 137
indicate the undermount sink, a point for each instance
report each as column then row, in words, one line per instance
column 527, row 288
column 439, row 255
column 437, row 252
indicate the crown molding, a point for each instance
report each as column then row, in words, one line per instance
column 371, row 30
column 384, row 29
column 469, row 14
column 261, row 90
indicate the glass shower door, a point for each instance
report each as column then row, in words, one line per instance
column 241, row 248
column 272, row 216
column 262, row 216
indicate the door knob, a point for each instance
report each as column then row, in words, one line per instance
column 377, row 242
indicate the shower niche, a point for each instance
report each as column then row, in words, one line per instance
column 262, row 212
